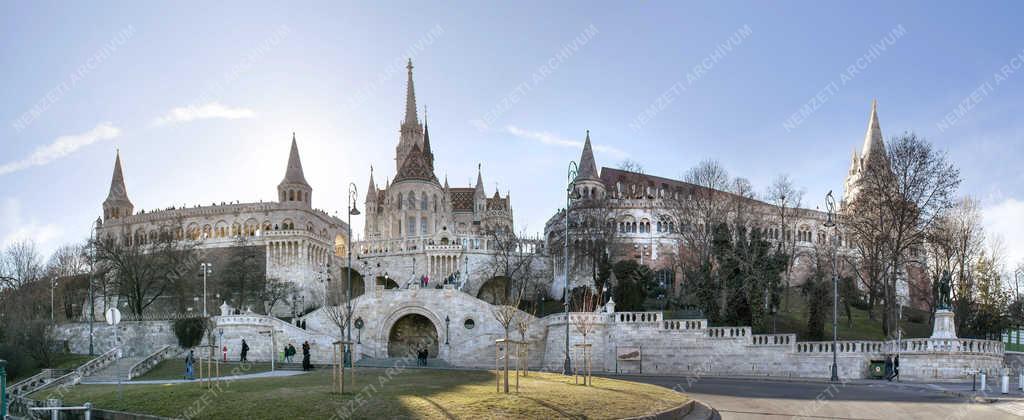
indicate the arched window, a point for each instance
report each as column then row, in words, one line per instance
column 412, row 201
column 423, row 201
column 400, row 201
column 423, row 226
column 291, row 195
column 435, row 203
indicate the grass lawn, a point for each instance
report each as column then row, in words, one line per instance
column 175, row 369
column 404, row 393
column 794, row 320
column 60, row 361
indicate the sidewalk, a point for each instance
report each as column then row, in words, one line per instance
column 274, row 374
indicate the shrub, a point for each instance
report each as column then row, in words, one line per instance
column 189, row 331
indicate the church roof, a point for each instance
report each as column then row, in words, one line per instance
column 588, row 167
column 118, row 192
column 410, row 99
column 293, row 174
column 417, row 166
column 461, row 198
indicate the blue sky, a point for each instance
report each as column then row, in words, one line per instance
column 202, row 100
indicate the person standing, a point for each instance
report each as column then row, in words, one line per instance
column 888, row 368
column 305, row 356
column 189, row 362
column 896, row 368
column 245, row 352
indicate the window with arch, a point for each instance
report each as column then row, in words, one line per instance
column 400, row 201
column 412, row 201
column 435, row 203
column 423, row 226
column 423, row 201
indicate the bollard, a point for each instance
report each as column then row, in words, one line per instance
column 53, row 402
column 3, row 389
column 982, row 376
column 1005, row 383
column 88, row 410
column 1020, row 379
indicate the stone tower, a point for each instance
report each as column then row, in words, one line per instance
column 117, row 204
column 588, row 180
column 872, row 153
column 294, row 188
column 411, row 130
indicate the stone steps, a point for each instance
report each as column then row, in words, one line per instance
column 394, row 361
column 117, row 370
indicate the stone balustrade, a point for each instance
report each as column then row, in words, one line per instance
column 772, row 339
column 729, row 332
column 147, row 364
column 685, row 324
column 638, row 317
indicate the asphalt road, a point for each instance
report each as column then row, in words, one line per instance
column 765, row 399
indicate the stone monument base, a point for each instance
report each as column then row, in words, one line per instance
column 945, row 327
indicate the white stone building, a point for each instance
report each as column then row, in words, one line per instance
column 417, row 227
column 298, row 240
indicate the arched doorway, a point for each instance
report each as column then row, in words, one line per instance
column 494, row 291
column 411, row 333
column 387, row 282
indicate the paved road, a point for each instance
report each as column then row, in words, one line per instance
column 764, row 399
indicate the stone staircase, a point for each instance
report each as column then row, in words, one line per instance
column 118, row 370
column 401, row 362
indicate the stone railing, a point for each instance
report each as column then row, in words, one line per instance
column 26, row 386
column 147, row 364
column 685, row 324
column 638, row 317
column 86, row 369
column 729, row 332
column 949, row 345
column 863, row 347
column 772, row 339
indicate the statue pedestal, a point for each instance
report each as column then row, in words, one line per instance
column 945, row 327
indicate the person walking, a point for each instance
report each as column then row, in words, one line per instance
column 896, row 368
column 888, row 368
column 305, row 356
column 245, row 352
column 190, row 361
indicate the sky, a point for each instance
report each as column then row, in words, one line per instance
column 202, row 99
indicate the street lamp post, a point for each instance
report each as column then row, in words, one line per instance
column 53, row 287
column 830, row 205
column 1016, row 282
column 569, row 190
column 353, row 193
column 207, row 270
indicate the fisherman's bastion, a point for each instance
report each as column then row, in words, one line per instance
column 423, row 261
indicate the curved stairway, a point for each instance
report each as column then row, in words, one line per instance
column 118, row 370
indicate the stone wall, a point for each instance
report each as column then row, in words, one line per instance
column 466, row 329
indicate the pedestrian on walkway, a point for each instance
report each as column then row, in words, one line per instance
column 888, row 368
column 896, row 368
column 305, row 356
column 245, row 352
column 189, row 362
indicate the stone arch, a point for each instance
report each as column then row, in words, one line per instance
column 387, row 282
column 493, row 290
column 421, row 327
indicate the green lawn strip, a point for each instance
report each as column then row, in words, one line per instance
column 175, row 369
column 410, row 393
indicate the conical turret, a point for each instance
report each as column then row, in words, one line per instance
column 117, row 204
column 874, row 146
column 294, row 186
column 588, row 167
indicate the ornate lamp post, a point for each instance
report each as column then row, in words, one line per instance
column 446, row 322
column 570, row 193
column 352, row 211
column 830, row 205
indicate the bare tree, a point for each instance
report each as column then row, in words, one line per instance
column 20, row 264
column 786, row 199
column 276, row 290
column 900, row 198
column 584, row 321
column 244, row 274
column 145, row 269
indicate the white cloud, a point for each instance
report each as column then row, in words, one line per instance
column 1006, row 219
column 202, row 112
column 61, row 147
column 553, row 139
column 18, row 229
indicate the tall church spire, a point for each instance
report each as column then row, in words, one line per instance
column 479, row 177
column 372, row 189
column 410, row 99
column 588, row 167
column 117, row 204
column 873, row 138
